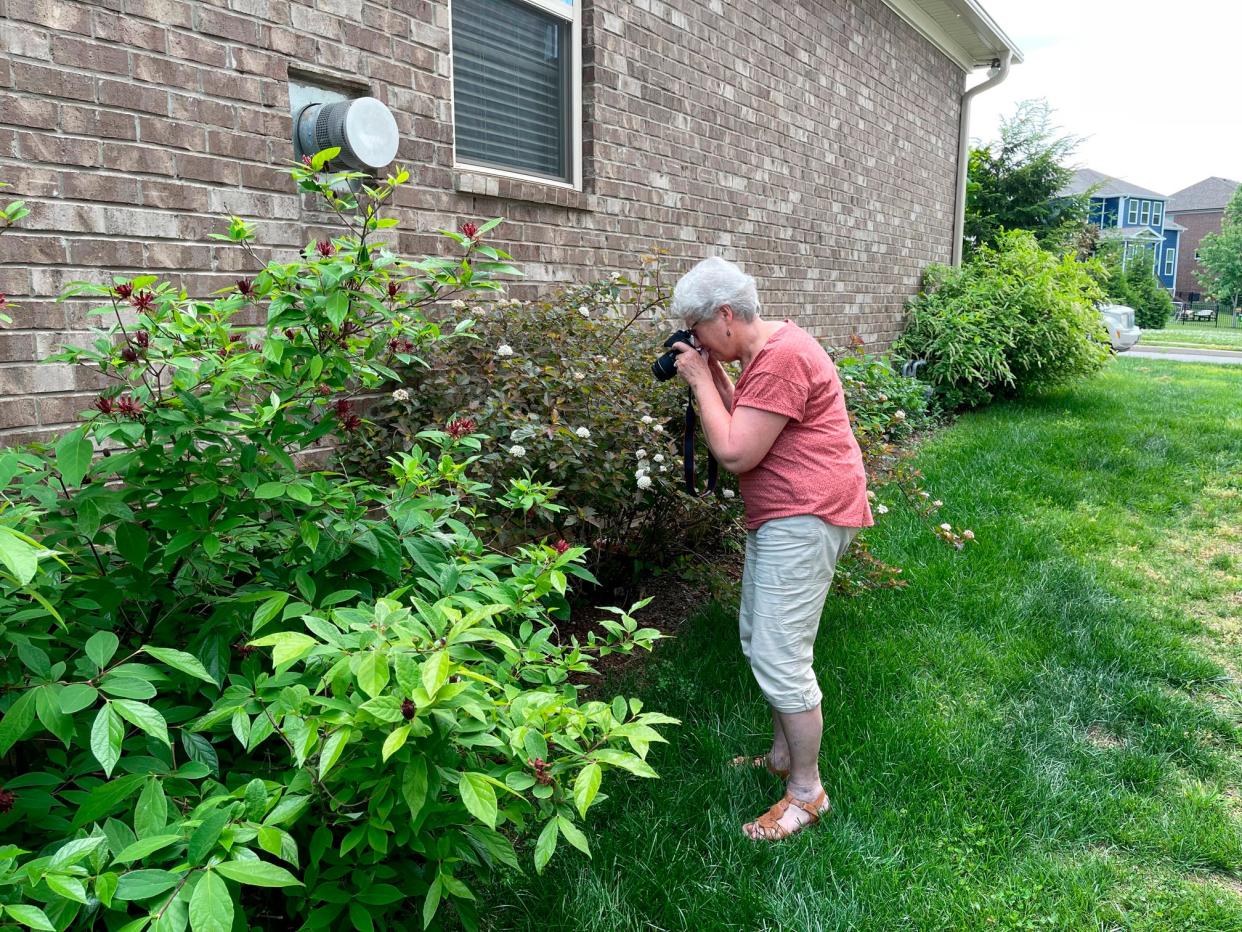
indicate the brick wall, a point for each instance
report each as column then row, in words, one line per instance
column 1198, row 223
column 812, row 141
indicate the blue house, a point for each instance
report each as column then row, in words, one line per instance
column 1133, row 215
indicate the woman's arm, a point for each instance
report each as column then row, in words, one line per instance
column 724, row 384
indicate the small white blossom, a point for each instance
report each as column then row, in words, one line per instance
column 644, row 482
column 585, row 312
column 647, row 418
column 579, row 376
column 663, row 469
column 659, row 428
column 728, row 493
column 583, row 433
column 641, row 454
column 899, row 414
column 504, row 349
column 517, row 450
column 968, row 535
column 881, row 509
column 458, row 305
column 870, row 495
column 401, row 395
column 659, row 457
column 946, row 527
column 937, row 503
column 640, row 472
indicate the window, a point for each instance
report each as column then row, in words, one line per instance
column 1132, row 213
column 517, row 87
column 1145, row 213
column 1157, row 213
column 1170, row 261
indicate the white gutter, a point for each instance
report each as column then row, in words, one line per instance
column 996, row 74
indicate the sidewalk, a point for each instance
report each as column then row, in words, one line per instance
column 1185, row 354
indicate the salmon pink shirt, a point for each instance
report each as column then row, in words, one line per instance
column 815, row 466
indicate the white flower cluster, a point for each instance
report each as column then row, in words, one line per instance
column 583, row 433
column 458, row 305
column 727, row 493
column 644, row 482
column 881, row 509
column 517, row 450
column 647, row 419
column 504, row 349
column 401, row 395
column 585, row 312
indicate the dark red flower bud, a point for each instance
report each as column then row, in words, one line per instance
column 123, row 291
column 461, row 427
column 103, row 405
column 351, row 423
column 408, row 709
column 561, row 545
column 343, row 407
column 245, row 287
column 7, row 799
column 324, row 390
column 289, row 333
column 128, row 406
column 142, row 338
column 243, row 650
column 306, row 160
column 400, row 345
column 4, row 300
column 129, row 354
column 325, row 248
column 470, row 229
column 393, row 290
column 142, row 300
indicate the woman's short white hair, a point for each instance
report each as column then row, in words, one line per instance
column 710, row 284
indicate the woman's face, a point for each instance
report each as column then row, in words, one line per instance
column 712, row 334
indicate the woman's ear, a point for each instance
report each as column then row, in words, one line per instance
column 726, row 313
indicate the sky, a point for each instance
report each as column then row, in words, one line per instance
column 1154, row 88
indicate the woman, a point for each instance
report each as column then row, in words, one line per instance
column 783, row 430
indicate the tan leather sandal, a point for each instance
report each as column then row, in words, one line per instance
column 769, row 825
column 762, row 761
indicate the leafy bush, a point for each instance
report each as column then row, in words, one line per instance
column 564, row 387
column 230, row 686
column 1014, row 319
column 1135, row 286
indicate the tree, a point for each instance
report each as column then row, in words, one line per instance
column 1220, row 256
column 1015, row 183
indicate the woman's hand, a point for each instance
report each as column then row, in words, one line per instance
column 692, row 365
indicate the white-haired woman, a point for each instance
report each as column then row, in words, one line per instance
column 784, row 431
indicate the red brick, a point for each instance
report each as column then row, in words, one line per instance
column 168, row 12
column 154, row 69
column 93, row 121
column 131, row 32
column 219, row 23
column 133, row 96
column 139, row 159
column 17, row 412
column 27, row 111
column 32, row 250
column 46, row 149
column 158, row 132
column 206, row 168
column 87, row 55
column 28, row 76
column 174, row 194
column 16, row 347
column 100, row 187
column 198, row 50
column 57, row 14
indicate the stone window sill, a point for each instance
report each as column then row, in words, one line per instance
column 483, row 184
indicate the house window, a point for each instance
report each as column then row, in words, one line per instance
column 1132, row 213
column 517, row 87
column 1170, row 261
column 1145, row 213
column 1157, row 214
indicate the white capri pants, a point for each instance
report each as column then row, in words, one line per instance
column 789, row 567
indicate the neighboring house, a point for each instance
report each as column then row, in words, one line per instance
column 1134, row 215
column 815, row 142
column 1199, row 209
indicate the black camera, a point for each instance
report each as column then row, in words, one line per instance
column 665, row 367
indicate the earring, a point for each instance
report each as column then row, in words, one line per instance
column 728, row 332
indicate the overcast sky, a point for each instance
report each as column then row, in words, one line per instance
column 1155, row 87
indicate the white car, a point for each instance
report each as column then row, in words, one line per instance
column 1119, row 320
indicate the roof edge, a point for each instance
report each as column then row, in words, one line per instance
column 933, row 28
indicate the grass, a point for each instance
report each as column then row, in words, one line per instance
column 1198, row 335
column 1039, row 732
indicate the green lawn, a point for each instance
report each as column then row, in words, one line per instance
column 1039, row 732
column 1195, row 334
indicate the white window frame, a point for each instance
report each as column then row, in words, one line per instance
column 571, row 12
column 1170, row 261
column 1132, row 211
column 1145, row 213
column 1157, row 214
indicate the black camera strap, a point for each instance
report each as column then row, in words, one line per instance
column 687, row 453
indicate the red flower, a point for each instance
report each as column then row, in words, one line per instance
column 408, row 709
column 561, row 545
column 289, row 333
column 470, row 229
column 7, row 798
column 103, row 405
column 142, row 338
column 324, row 390
column 243, row 649
column 541, row 768
column 343, row 407
column 129, row 354
column 124, row 291
column 142, row 300
column 129, row 407
column 393, row 290
column 245, row 287
column 351, row 423
column 461, row 427
column 306, row 160
column 325, row 248
column 400, row 345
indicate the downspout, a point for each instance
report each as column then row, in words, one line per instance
column 997, row 73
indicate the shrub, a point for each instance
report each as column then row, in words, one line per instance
column 564, row 387
column 1135, row 286
column 230, row 686
column 1014, row 319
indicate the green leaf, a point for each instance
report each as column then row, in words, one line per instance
column 127, row 687
column 268, row 610
column 180, row 660
column 141, row 849
column 573, row 835
column 432, row 902
column 47, row 705
column 545, row 845
column 395, row 741
column 373, row 672
column 203, row 839
column 101, row 646
column 436, row 672
column 132, row 544
column 104, row 798
column 258, row 874
column 144, row 884
column 151, row 815
column 288, row 646
column 30, row 916
column 17, row 719
column 69, row 887
column 586, row 785
column 77, row 696
column 211, row 906
column 73, row 457
column 106, row 736
column 145, row 717
column 270, row 490
column 414, row 785
column 479, row 796
column 71, row 852
column 19, row 555
column 332, row 749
